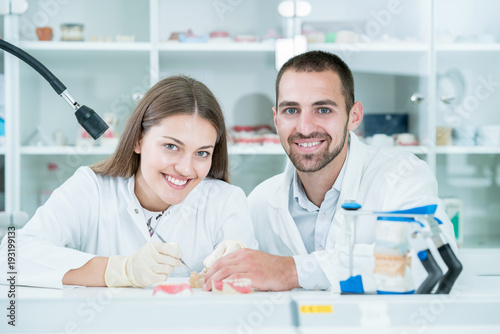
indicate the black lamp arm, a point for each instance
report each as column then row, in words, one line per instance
column 37, row 66
column 87, row 117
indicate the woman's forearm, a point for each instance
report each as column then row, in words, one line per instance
column 90, row 274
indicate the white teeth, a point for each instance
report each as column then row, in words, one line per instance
column 175, row 181
column 309, row 144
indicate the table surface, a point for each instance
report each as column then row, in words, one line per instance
column 472, row 306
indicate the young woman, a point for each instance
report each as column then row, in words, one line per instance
column 166, row 181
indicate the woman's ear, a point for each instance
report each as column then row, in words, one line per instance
column 355, row 116
column 137, row 146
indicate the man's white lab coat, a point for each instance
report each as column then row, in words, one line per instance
column 99, row 215
column 377, row 178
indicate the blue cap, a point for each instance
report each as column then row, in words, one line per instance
column 422, row 255
column 351, row 206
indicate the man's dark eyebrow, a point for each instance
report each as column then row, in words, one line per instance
column 325, row 103
column 182, row 144
column 317, row 103
column 288, row 104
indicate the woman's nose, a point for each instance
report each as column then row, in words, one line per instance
column 184, row 165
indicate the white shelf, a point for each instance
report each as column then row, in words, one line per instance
column 278, row 149
column 84, row 46
column 413, row 149
column 468, row 149
column 66, row 150
column 468, row 47
column 370, row 47
column 217, row 47
column 481, row 242
column 102, row 150
column 251, row 149
column 243, row 149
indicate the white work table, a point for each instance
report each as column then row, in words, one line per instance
column 472, row 307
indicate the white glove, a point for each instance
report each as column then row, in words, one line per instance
column 224, row 248
column 150, row 264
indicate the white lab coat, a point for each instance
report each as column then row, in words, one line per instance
column 377, row 178
column 99, row 215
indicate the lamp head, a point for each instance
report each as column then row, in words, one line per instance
column 91, row 121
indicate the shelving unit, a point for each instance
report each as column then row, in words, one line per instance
column 105, row 76
column 468, row 150
column 66, row 150
column 85, row 46
column 217, row 47
column 371, row 47
column 469, row 47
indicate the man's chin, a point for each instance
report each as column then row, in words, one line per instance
column 305, row 165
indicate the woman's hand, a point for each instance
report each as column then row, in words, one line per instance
column 150, row 264
column 224, row 248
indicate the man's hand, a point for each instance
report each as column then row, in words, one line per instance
column 267, row 272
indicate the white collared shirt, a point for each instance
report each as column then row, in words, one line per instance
column 313, row 224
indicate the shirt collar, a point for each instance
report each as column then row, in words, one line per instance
column 299, row 194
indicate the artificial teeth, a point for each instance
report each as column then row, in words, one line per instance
column 176, row 182
column 309, row 144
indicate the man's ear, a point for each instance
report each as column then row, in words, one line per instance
column 275, row 120
column 355, row 116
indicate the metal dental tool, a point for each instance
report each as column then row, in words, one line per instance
column 163, row 240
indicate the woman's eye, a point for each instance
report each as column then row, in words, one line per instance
column 202, row 154
column 290, row 111
column 324, row 110
column 171, row 147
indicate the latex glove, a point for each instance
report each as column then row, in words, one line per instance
column 150, row 264
column 224, row 248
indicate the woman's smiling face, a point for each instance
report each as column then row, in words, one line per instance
column 175, row 156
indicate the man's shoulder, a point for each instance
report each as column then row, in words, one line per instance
column 389, row 158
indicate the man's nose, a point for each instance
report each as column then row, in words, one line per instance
column 306, row 124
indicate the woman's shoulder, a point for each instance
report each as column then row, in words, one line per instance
column 215, row 186
column 85, row 177
column 216, row 191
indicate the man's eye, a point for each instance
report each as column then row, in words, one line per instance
column 203, row 154
column 323, row 110
column 171, row 147
column 290, row 111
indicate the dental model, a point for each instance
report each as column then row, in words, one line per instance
column 232, row 286
column 197, row 280
column 173, row 289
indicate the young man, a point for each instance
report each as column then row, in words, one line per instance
column 302, row 237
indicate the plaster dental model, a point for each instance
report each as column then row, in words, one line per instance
column 173, row 289
column 196, row 280
column 220, row 37
column 232, row 286
column 392, row 271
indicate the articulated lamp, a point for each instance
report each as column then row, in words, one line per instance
column 87, row 117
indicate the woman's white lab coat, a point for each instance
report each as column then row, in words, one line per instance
column 379, row 179
column 99, row 215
